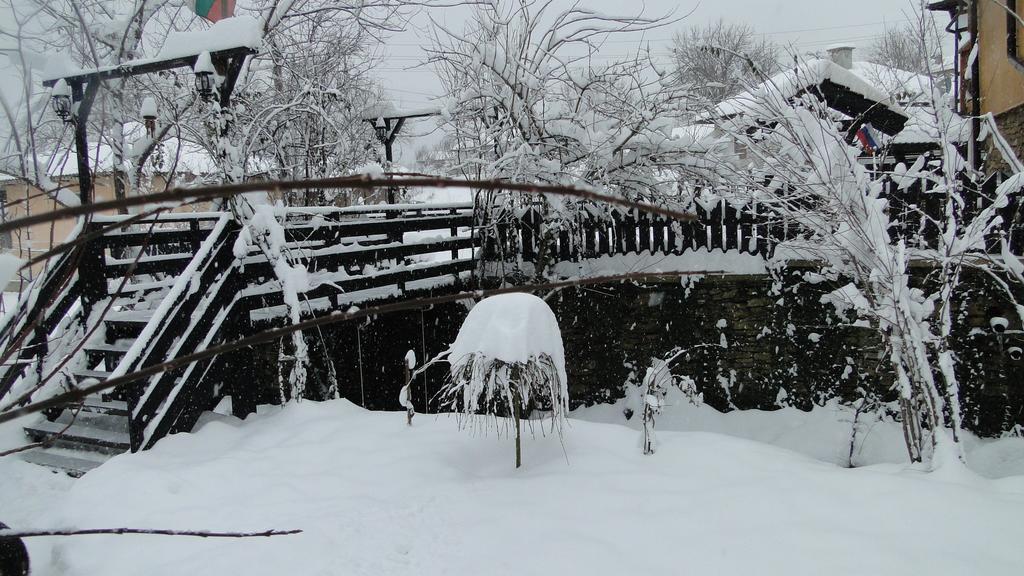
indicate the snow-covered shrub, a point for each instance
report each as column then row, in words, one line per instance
column 405, row 394
column 788, row 151
column 507, row 360
column 656, row 392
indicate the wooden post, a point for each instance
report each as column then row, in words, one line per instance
column 516, row 401
column 409, row 412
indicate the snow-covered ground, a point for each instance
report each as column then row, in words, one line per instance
column 376, row 497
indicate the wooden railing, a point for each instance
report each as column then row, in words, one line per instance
column 192, row 316
column 719, row 225
column 232, row 288
column 25, row 333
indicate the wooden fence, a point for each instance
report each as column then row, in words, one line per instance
column 722, row 224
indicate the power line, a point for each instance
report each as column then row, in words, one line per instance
column 772, row 33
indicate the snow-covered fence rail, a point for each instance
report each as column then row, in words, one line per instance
column 726, row 224
column 719, row 225
column 917, row 210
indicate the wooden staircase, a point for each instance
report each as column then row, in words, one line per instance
column 83, row 436
column 189, row 291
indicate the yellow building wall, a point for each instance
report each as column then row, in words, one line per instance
column 1001, row 80
column 23, row 200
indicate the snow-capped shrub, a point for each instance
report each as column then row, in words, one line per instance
column 507, row 360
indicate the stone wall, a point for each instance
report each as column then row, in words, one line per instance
column 1011, row 126
column 757, row 341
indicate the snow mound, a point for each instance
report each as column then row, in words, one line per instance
column 374, row 496
column 9, row 266
column 514, row 328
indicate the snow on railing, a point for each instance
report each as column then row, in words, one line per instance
column 188, row 282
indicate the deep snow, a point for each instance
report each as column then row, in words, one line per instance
column 377, row 497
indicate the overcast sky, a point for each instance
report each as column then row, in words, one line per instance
column 804, row 25
column 801, row 25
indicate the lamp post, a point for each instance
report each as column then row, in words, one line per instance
column 387, row 127
column 83, row 86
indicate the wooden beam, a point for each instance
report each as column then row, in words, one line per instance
column 137, row 67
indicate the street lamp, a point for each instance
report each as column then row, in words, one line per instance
column 204, row 70
column 149, row 115
column 62, row 100
column 381, row 128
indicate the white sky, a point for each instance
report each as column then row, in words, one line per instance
column 803, row 25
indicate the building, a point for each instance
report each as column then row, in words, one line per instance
column 19, row 198
column 989, row 36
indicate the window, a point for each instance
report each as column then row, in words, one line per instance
column 1014, row 33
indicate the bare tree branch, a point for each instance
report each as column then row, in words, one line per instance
column 152, row 531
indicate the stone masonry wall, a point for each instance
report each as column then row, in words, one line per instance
column 758, row 341
column 1011, row 126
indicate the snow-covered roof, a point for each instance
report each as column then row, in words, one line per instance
column 921, row 128
column 843, row 89
column 181, row 156
column 898, row 84
column 914, row 91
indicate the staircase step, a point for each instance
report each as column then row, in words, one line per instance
column 97, row 404
column 136, row 287
column 109, row 354
column 61, row 459
column 117, row 347
column 126, row 324
column 82, row 375
column 136, row 316
column 80, row 436
column 173, row 263
column 99, row 420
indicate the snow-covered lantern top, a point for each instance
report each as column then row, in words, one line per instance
column 62, row 99
column 204, row 70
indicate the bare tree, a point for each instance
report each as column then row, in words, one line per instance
column 911, row 47
column 529, row 103
column 718, row 59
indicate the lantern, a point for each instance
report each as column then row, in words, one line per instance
column 204, row 70
column 62, row 100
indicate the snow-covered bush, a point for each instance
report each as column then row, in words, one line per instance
column 507, row 360
column 405, row 394
column 656, row 392
column 789, row 153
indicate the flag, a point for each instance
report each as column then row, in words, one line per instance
column 867, row 139
column 214, row 10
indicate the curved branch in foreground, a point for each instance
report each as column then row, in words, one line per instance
column 152, row 531
column 355, row 182
column 332, row 318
